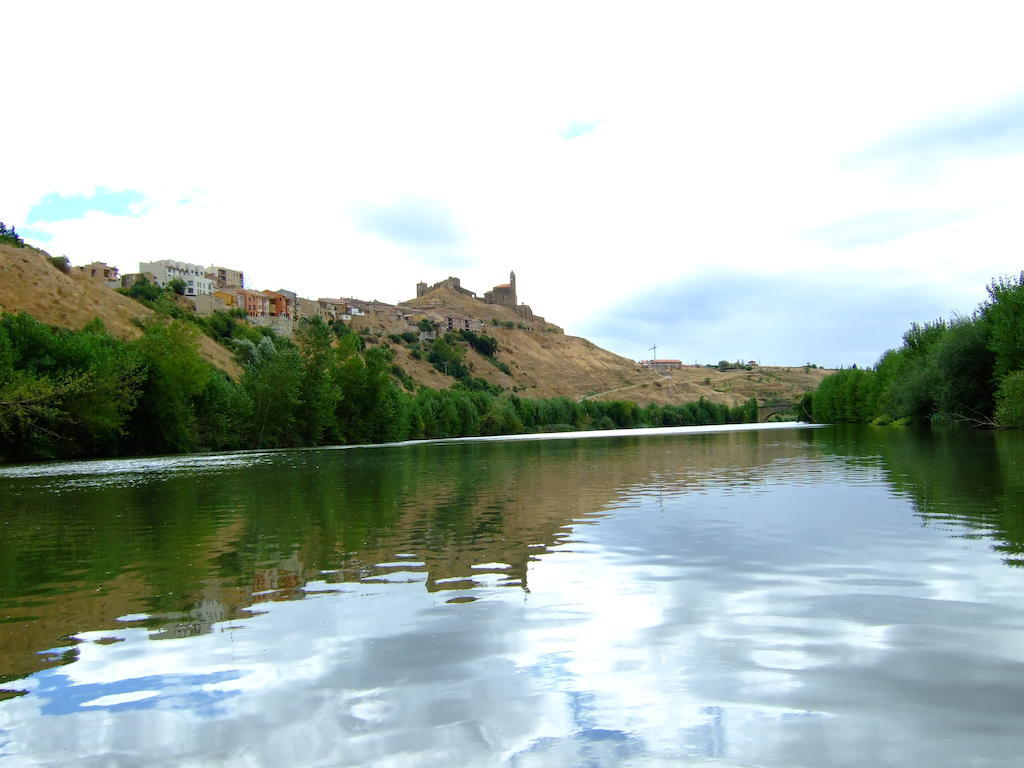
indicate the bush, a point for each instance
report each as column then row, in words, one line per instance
column 10, row 236
column 486, row 345
column 1010, row 401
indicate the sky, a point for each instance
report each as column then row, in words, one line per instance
column 785, row 182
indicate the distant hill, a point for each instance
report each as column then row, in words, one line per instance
column 543, row 360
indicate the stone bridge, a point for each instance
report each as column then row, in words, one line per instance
column 766, row 411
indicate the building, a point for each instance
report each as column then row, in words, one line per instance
column 454, row 322
column 452, row 284
column 229, row 298
column 300, row 307
column 503, row 295
column 101, row 273
column 208, row 303
column 193, row 275
column 255, row 303
column 222, row 277
column 280, row 305
column 331, row 309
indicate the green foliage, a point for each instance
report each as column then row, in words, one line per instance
column 223, row 414
column 961, row 361
column 317, row 392
column 367, row 401
column 272, row 381
column 143, row 291
column 1004, row 314
column 481, row 342
column 448, row 357
column 1010, row 401
column 407, row 381
column 406, row 337
column 10, row 236
column 173, row 375
column 176, row 285
column 71, row 394
column 846, row 396
column 62, row 393
column 944, row 373
column 62, row 263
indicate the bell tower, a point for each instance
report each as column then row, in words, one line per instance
column 512, row 284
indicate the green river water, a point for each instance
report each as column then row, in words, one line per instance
column 777, row 595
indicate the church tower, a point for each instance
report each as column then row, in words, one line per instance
column 512, row 283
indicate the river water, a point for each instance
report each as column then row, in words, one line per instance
column 745, row 596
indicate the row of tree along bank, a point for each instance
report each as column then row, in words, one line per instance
column 67, row 394
column 969, row 370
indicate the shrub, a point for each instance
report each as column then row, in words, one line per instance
column 1010, row 401
column 10, row 236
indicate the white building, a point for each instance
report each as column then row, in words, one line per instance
column 193, row 275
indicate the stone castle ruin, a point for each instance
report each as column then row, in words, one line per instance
column 503, row 295
column 452, row 284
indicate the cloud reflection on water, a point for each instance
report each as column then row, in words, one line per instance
column 787, row 609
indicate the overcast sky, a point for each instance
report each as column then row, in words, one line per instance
column 781, row 181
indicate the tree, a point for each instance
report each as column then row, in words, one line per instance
column 144, row 291
column 963, row 364
column 1004, row 315
column 448, row 357
column 1010, row 401
column 176, row 285
column 62, row 393
column 273, row 383
column 317, row 392
column 10, row 236
column 223, row 414
column 173, row 375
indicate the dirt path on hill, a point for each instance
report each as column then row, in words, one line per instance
column 618, row 389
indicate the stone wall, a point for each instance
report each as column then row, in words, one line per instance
column 452, row 283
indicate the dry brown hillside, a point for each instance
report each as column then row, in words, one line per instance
column 30, row 283
column 545, row 362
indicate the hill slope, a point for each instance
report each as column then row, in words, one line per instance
column 30, row 283
column 545, row 362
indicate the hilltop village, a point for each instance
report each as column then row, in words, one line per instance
column 528, row 356
column 206, row 290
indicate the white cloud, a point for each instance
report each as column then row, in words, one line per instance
column 720, row 136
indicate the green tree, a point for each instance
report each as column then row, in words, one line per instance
column 173, row 375
column 448, row 357
column 62, row 393
column 144, row 291
column 1010, row 401
column 273, row 382
column 223, row 414
column 963, row 364
column 10, row 236
column 317, row 391
column 1004, row 315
